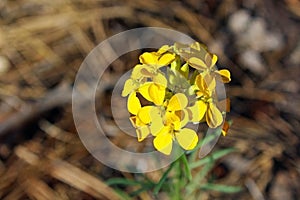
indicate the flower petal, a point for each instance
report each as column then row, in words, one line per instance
column 210, row 82
column 160, row 79
column 197, row 63
column 136, row 122
column 128, row 87
column 156, row 120
column 213, row 60
column 132, row 119
column 166, row 59
column 198, row 110
column 148, row 58
column 214, row 117
column 157, row 93
column 200, row 83
column 172, row 118
column 184, row 118
column 196, row 46
column 136, row 72
column 185, row 70
column 163, row 141
column 133, row 103
column 187, row 138
column 224, row 75
column 142, row 132
column 210, row 60
column 147, row 71
column 144, row 114
column 163, row 49
column 177, row 102
column 144, row 90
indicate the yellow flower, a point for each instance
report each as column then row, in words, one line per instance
column 198, row 57
column 166, row 124
column 151, row 62
column 157, row 100
column 186, row 138
column 153, row 92
column 188, row 51
column 208, row 65
column 148, row 120
column 134, row 82
column 156, row 59
column 205, row 85
column 170, row 113
column 205, row 106
column 175, row 119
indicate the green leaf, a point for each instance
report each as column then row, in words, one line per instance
column 216, row 155
column 221, row 188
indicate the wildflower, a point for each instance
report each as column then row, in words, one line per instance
column 207, row 65
column 173, row 122
column 151, row 62
column 166, row 123
column 176, row 96
column 205, row 87
column 198, row 57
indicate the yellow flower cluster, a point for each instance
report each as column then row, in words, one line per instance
column 170, row 88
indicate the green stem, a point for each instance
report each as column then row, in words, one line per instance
column 186, row 167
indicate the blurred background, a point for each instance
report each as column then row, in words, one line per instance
column 43, row 43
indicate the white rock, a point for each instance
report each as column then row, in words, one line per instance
column 259, row 38
column 252, row 32
column 238, row 22
column 4, row 65
column 252, row 60
column 256, row 33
